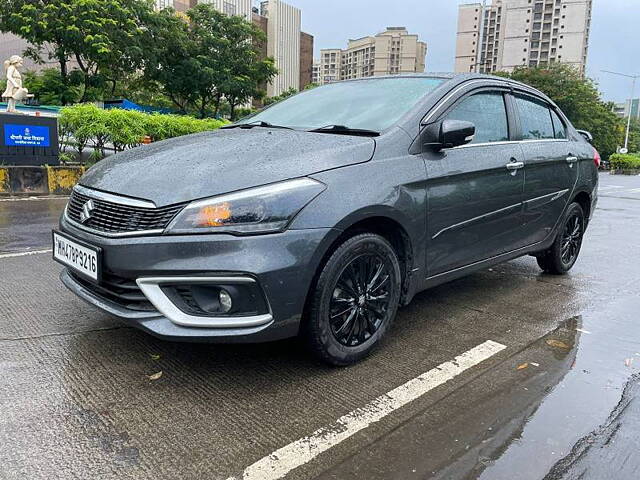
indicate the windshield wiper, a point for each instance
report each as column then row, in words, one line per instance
column 258, row 123
column 344, row 130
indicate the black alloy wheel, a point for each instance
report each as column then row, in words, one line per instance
column 354, row 300
column 360, row 299
column 564, row 251
column 571, row 239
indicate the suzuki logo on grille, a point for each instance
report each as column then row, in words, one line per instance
column 87, row 208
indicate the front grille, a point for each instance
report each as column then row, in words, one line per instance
column 116, row 218
column 121, row 291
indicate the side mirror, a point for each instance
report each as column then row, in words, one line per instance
column 454, row 133
column 587, row 135
column 448, row 134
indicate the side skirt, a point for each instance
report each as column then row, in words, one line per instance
column 489, row 262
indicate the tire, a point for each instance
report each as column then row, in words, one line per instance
column 562, row 256
column 349, row 313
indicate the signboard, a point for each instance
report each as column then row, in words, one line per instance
column 26, row 135
column 27, row 140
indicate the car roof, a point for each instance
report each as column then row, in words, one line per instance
column 458, row 77
column 455, row 79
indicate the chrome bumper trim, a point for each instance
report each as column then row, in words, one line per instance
column 151, row 287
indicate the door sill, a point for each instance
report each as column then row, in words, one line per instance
column 459, row 272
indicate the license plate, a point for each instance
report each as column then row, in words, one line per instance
column 79, row 256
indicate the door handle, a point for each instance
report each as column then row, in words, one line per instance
column 515, row 165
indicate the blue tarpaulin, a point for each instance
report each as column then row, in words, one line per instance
column 129, row 105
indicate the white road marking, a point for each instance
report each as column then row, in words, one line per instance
column 300, row 452
column 24, row 254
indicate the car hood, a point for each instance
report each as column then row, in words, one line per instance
column 206, row 164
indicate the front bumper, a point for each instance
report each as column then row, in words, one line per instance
column 283, row 265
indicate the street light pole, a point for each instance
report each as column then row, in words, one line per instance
column 633, row 90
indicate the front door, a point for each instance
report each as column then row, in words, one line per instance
column 475, row 191
column 551, row 166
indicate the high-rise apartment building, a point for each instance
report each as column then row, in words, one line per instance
column 330, row 65
column 283, row 44
column 228, row 7
column 510, row 33
column 315, row 76
column 306, row 59
column 178, row 5
column 241, row 8
column 394, row 51
column 629, row 108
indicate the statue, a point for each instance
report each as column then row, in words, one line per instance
column 14, row 91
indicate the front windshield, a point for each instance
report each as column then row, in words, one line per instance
column 374, row 104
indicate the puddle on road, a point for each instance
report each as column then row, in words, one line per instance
column 598, row 357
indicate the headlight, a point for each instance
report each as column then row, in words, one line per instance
column 256, row 210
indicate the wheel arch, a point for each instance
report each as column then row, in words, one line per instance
column 583, row 199
column 380, row 223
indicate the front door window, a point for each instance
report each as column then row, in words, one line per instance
column 487, row 112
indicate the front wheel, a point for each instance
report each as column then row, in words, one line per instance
column 562, row 255
column 354, row 301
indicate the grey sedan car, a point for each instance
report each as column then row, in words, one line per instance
column 323, row 214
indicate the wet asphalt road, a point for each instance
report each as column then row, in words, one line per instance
column 561, row 401
column 25, row 223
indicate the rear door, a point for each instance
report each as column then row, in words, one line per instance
column 475, row 191
column 551, row 168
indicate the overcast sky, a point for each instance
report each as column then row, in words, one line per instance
column 614, row 43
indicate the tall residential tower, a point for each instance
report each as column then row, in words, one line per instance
column 394, row 51
column 510, row 33
column 283, row 44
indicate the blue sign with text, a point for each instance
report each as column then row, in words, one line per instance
column 26, row 136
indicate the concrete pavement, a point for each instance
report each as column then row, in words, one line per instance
column 559, row 402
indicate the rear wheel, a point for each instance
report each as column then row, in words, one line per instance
column 354, row 301
column 562, row 255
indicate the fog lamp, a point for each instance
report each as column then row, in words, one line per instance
column 225, row 301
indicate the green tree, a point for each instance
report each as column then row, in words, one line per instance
column 49, row 88
column 634, row 136
column 579, row 99
column 102, row 36
column 206, row 59
column 168, row 62
column 246, row 84
column 143, row 92
column 286, row 94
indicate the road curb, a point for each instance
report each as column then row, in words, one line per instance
column 38, row 180
column 625, row 171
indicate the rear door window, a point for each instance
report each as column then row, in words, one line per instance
column 535, row 119
column 487, row 112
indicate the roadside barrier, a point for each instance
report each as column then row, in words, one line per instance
column 38, row 180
